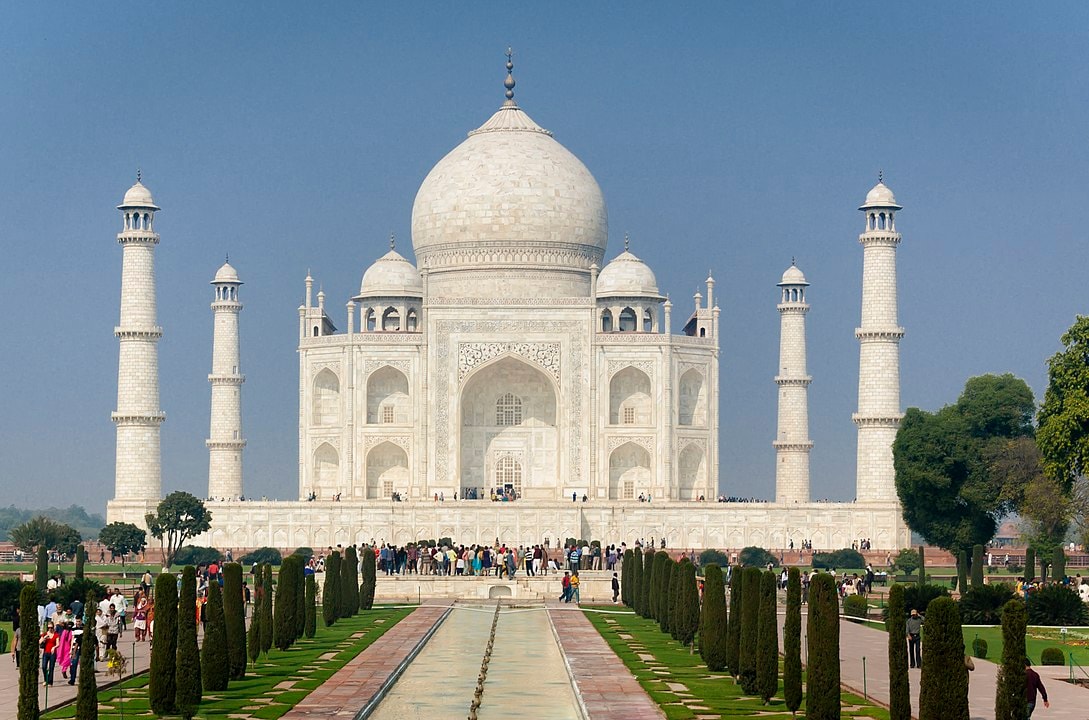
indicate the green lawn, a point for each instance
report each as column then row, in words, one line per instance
column 717, row 693
column 275, row 685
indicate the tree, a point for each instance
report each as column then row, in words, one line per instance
column 267, row 628
column 947, row 489
column 977, row 566
column 122, row 538
column 625, row 578
column 41, row 531
column 655, row 594
column 750, row 615
column 792, row 642
column 907, row 560
column 714, row 622
column 896, row 627
column 1030, row 563
column 675, row 601
column 1044, row 502
column 687, row 619
column 1009, row 703
column 1063, row 421
column 161, row 679
column 178, row 517
column 669, row 572
column 81, row 560
column 311, row 628
column 822, row 671
column 647, row 586
column 234, row 620
column 253, row 635
column 299, row 577
column 41, row 569
column 87, row 693
column 962, row 572
column 944, row 685
column 215, row 663
column 330, row 592
column 187, row 674
column 366, row 590
column 767, row 640
column 1058, row 565
column 28, row 654
column 286, row 605
column 349, row 586
column 636, row 590
column 733, row 630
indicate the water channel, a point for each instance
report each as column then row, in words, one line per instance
column 526, row 678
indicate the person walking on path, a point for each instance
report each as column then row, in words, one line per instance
column 1033, row 684
column 914, row 633
column 48, row 644
column 616, row 588
column 565, row 583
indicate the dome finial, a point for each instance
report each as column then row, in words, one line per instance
column 792, row 263
column 627, row 242
column 880, row 176
column 227, row 259
column 509, row 82
column 137, row 174
column 392, row 241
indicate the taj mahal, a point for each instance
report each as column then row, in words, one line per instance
column 511, row 379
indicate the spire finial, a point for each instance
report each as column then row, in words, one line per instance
column 509, row 82
column 392, row 241
column 138, row 174
column 228, row 258
column 792, row 263
column 627, row 242
column 880, row 176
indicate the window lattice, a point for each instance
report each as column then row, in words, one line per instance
column 508, row 471
column 508, row 410
column 387, row 414
column 629, row 415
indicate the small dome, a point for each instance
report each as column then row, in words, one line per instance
column 880, row 197
column 227, row 274
column 625, row 276
column 793, row 276
column 138, row 196
column 391, row 276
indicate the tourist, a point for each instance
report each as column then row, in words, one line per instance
column 74, row 650
column 914, row 634
column 17, row 639
column 1033, row 684
column 616, row 588
column 48, row 644
column 139, row 621
column 512, row 564
column 100, row 633
column 64, row 647
column 565, row 583
column 113, row 627
column 118, row 601
column 574, row 587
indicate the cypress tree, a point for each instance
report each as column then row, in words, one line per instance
column 687, row 619
column 962, row 572
column 41, row 570
column 792, row 642
column 636, row 592
column 1058, row 565
column 647, row 586
column 943, row 687
column 284, row 621
column 666, row 606
column 1009, row 702
column 625, row 578
column 311, row 627
column 366, row 590
column 676, row 602
column 662, row 562
column 733, row 629
column 161, row 678
column 81, row 559
column 1030, row 563
column 330, row 592
column 750, row 618
column 922, row 565
column 267, row 628
column 896, row 626
column 87, row 692
column 29, row 660
column 977, row 566
column 299, row 578
column 215, row 664
column 713, row 620
column 253, row 636
column 767, row 640
column 822, row 671
column 187, row 673
column 349, row 583
column 234, row 619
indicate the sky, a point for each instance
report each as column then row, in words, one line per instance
column 728, row 137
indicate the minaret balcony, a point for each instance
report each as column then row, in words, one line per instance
column 877, row 421
column 888, row 334
column 225, row 444
column 879, row 238
column 787, row 445
column 152, row 418
column 146, row 333
column 802, row 381
column 226, row 379
column 137, row 237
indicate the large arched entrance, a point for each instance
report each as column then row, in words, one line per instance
column 509, row 439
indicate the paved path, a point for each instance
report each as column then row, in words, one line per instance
column 608, row 689
column 353, row 686
column 61, row 691
column 1068, row 702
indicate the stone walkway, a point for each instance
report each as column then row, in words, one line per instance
column 61, row 691
column 353, row 686
column 608, row 689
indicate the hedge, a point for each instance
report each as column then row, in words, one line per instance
column 197, row 555
column 262, row 556
column 845, row 558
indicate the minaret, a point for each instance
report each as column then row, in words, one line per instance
column 137, row 474
column 878, row 415
column 225, row 441
column 792, row 444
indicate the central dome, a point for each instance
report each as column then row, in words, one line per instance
column 509, row 202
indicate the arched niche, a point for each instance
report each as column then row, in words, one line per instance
column 692, row 405
column 629, row 472
column 388, row 400
column 630, row 398
column 325, row 473
column 325, row 398
column 387, row 470
column 691, row 472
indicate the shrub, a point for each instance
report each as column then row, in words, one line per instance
column 944, row 684
column 733, row 630
column 262, row 555
column 161, row 679
column 636, row 592
column 188, row 692
column 1052, row 656
column 767, row 639
column 896, row 627
column 757, row 557
column 349, row 583
column 1058, row 564
column 792, row 642
column 330, row 591
column 655, row 590
column 304, row 552
column 714, row 557
column 855, row 606
column 669, row 577
column 1010, row 694
column 1030, row 563
column 311, row 627
column 9, row 598
column 845, row 558
column 625, row 578
column 822, row 680
column 253, row 635
column 234, row 620
column 675, row 599
column 750, row 613
column 196, row 555
column 907, row 560
column 28, row 651
column 267, row 628
column 979, row 648
column 687, row 618
column 1016, row 569
column 962, row 572
column 1056, row 605
column 918, row 597
column 366, row 589
column 647, row 584
column 299, row 577
column 977, row 566
column 215, row 664
column 982, row 605
column 286, row 605
column 713, row 620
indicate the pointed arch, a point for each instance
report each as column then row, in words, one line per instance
column 692, row 405
column 388, row 399
column 387, row 471
column 628, row 320
column 630, row 398
column 325, row 474
column 691, row 472
column 629, row 472
column 325, row 399
column 391, row 320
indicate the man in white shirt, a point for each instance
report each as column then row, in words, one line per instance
column 118, row 601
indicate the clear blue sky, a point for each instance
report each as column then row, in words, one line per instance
column 728, row 136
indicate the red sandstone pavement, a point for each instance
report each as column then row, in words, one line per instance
column 608, row 689
column 353, row 686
